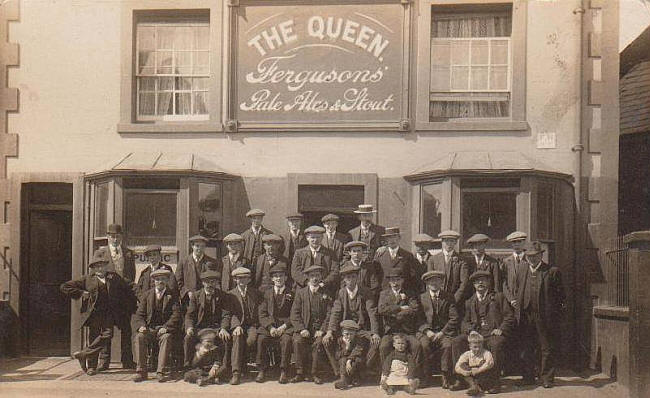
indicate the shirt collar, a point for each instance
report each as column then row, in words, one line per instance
column 352, row 293
column 101, row 279
column 316, row 250
column 257, row 230
column 313, row 289
column 393, row 252
column 243, row 292
column 518, row 257
column 481, row 298
column 233, row 257
column 447, row 254
column 196, row 260
column 160, row 293
column 208, row 294
column 434, row 294
column 280, row 290
column 396, row 292
column 479, row 258
column 534, row 268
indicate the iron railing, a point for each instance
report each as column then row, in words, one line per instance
column 617, row 273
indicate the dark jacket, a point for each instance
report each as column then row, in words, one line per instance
column 442, row 317
column 227, row 282
column 457, row 274
column 337, row 243
column 275, row 311
column 510, row 266
column 301, row 309
column 420, row 269
column 290, row 246
column 171, row 311
column 356, row 352
column 262, row 278
column 188, row 273
column 145, row 282
column 394, row 318
column 499, row 314
column 195, row 314
column 551, row 294
column 325, row 258
column 236, row 307
column 489, row 264
column 127, row 267
column 253, row 243
column 121, row 300
column 368, row 317
column 403, row 260
column 374, row 239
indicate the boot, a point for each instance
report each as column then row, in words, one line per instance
column 298, row 377
column 413, row 386
column 283, row 377
column 342, row 383
column 446, row 381
column 260, row 376
column 140, row 377
column 235, row 379
column 81, row 357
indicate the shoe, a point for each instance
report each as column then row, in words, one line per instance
column 260, row 377
column 494, row 390
column 473, row 391
column 445, row 382
column 297, row 378
column 318, row 380
column 81, row 357
column 162, row 378
column 356, row 382
column 456, row 386
column 283, row 377
column 140, row 377
column 235, row 379
column 104, row 366
column 91, row 372
column 390, row 390
column 412, row 387
column 201, row 382
column 341, row 384
column 547, row 384
column 527, row 381
column 128, row 365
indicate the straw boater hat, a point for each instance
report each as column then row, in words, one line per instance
column 255, row 212
column 365, row 209
column 160, row 272
column 517, row 235
column 390, row 231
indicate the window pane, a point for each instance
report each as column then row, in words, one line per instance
column 183, row 62
column 479, row 78
column 201, row 63
column 183, row 103
column 480, row 52
column 165, row 105
column 184, row 38
column 147, row 104
column 202, row 38
column 147, row 61
column 210, row 210
column 165, row 37
column 460, row 52
column 101, row 206
column 440, row 52
column 147, row 83
column 499, row 52
column 440, row 79
column 490, row 213
column 431, row 217
column 200, row 103
column 183, row 83
column 151, row 218
column 164, row 62
column 499, row 78
column 459, row 78
column 200, row 83
column 146, row 38
column 166, row 83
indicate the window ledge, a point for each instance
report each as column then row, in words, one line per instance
column 496, row 125
column 170, row 127
column 611, row 312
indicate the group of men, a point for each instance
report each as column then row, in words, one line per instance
column 299, row 296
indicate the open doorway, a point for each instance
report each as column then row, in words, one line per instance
column 315, row 201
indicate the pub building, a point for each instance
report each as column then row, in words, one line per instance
column 174, row 118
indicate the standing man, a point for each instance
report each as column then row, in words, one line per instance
column 367, row 232
column 294, row 238
column 144, row 281
column 315, row 254
column 393, row 256
column 188, row 272
column 333, row 239
column 253, row 247
column 234, row 259
column 511, row 266
column 423, row 243
column 371, row 275
column 105, row 303
column 541, row 306
column 272, row 256
column 454, row 268
column 480, row 261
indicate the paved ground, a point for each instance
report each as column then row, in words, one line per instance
column 61, row 377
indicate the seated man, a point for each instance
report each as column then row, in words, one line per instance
column 243, row 322
column 371, row 275
column 309, row 315
column 152, row 252
column 157, row 318
column 438, row 321
column 208, row 308
column 351, row 351
column 206, row 364
column 275, row 324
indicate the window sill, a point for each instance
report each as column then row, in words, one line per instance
column 492, row 125
column 170, row 127
column 611, row 312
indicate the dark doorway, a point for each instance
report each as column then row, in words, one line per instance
column 47, row 250
column 634, row 183
column 315, row 201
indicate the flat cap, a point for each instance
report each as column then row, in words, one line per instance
column 517, row 235
column 240, row 271
column 114, row 229
column 161, row 272
column 198, row 238
column 396, row 272
column 355, row 243
column 433, row 274
column 277, row 268
column 152, row 248
column 449, row 234
column 315, row 229
column 314, row 268
column 255, row 212
column 271, row 238
column 534, row 247
column 423, row 238
column 207, row 334
column 365, row 209
column 330, row 217
column 478, row 238
column 210, row 274
column 100, row 256
column 350, row 325
column 391, row 231
column 233, row 238
column 295, row 216
column 349, row 268
column 480, row 274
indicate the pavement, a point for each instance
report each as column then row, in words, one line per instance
column 61, row 377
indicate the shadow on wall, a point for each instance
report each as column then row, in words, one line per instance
column 8, row 330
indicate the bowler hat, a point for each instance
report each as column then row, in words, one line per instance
column 295, row 216
column 277, row 268
column 365, row 209
column 160, row 272
column 271, row 238
column 349, row 268
column 517, row 235
column 114, row 229
column 315, row 229
column 210, row 274
column 390, row 231
column 314, row 268
column 534, row 247
column 240, row 271
column 478, row 238
column 423, row 238
column 355, row 243
column 433, row 274
column 449, row 234
column 480, row 274
column 255, row 212
column 330, row 217
column 233, row 238
column 152, row 248
column 99, row 257
column 350, row 325
column 207, row 333
column 197, row 238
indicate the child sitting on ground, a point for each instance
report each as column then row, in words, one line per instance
column 351, row 352
column 206, row 364
column 477, row 366
column 399, row 368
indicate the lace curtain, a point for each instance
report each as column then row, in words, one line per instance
column 464, row 25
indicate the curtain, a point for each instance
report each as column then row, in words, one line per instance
column 470, row 25
column 440, row 110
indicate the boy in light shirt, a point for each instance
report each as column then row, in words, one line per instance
column 477, row 367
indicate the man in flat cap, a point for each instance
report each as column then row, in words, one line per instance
column 481, row 261
column 351, row 351
column 156, row 321
column 333, row 239
column 208, row 309
column 253, row 247
column 294, row 238
column 315, row 254
column 309, row 318
column 367, row 232
column 453, row 266
column 188, row 271
column 511, row 264
column 233, row 259
column 371, row 275
column 275, row 323
column 437, row 327
column 488, row 313
column 272, row 256
column 105, row 303
column 153, row 254
column 392, row 256
column 244, row 321
column 357, row 303
column 423, row 243
column 540, row 314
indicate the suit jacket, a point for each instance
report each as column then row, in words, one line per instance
column 121, row 299
column 145, row 282
column 188, row 273
column 551, row 294
column 236, row 307
column 356, row 352
column 441, row 317
column 510, row 266
column 420, row 269
column 457, row 274
column 374, row 237
column 275, row 311
column 337, row 243
column 394, row 318
column 262, row 278
column 325, row 258
column 301, row 313
column 499, row 314
column 403, row 260
column 253, row 243
column 372, row 277
column 489, row 264
column 171, row 311
column 290, row 246
column 126, row 266
column 196, row 315
column 368, row 319
column 227, row 266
